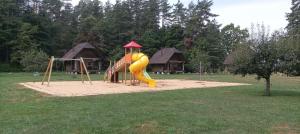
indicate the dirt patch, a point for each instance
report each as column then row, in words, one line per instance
column 285, row 129
column 77, row 88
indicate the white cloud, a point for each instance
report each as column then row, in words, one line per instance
column 272, row 14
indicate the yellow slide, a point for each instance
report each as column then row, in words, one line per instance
column 138, row 68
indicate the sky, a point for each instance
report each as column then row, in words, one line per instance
column 272, row 13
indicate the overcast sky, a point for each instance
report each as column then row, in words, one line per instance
column 244, row 12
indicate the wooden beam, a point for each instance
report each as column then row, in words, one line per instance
column 115, row 73
column 87, row 73
column 125, row 68
column 81, row 72
column 168, row 67
column 122, row 76
column 47, row 70
column 50, row 72
column 183, row 67
column 130, row 64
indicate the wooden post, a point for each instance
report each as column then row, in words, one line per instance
column 76, row 66
column 200, row 71
column 81, row 71
column 110, row 79
column 115, row 72
column 125, row 68
column 168, row 64
column 47, row 71
column 108, row 73
column 87, row 73
column 50, row 72
column 130, row 64
column 122, row 76
column 183, row 67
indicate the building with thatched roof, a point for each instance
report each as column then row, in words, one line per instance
column 168, row 60
column 87, row 51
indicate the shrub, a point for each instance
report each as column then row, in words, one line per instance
column 34, row 61
column 5, row 67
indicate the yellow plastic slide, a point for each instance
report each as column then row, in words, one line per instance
column 138, row 68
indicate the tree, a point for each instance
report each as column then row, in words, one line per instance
column 292, row 41
column 54, row 26
column 9, row 26
column 150, row 41
column 203, row 33
column 136, row 7
column 34, row 60
column 90, row 31
column 165, row 13
column 289, row 48
column 25, row 41
column 199, row 16
column 232, row 36
column 172, row 36
column 178, row 14
column 198, row 56
column 293, row 18
column 51, row 9
column 213, row 46
column 260, row 56
column 150, row 20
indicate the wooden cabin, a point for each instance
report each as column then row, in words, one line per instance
column 167, row 60
column 88, row 52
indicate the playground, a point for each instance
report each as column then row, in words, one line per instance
column 115, row 78
column 77, row 88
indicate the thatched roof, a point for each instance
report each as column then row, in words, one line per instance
column 163, row 56
column 77, row 49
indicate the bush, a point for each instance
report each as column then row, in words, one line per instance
column 34, row 61
column 5, row 67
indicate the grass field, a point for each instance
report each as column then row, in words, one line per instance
column 237, row 110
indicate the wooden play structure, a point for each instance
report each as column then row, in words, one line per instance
column 121, row 66
column 83, row 69
column 135, row 62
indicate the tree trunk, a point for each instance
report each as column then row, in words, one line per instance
column 268, row 87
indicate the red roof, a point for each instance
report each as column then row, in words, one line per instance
column 132, row 44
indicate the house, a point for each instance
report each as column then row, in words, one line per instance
column 168, row 60
column 88, row 52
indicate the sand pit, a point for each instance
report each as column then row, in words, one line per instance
column 76, row 88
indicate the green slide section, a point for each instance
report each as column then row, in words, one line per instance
column 146, row 74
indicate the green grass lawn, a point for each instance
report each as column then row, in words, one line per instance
column 238, row 110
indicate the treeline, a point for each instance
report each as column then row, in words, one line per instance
column 39, row 27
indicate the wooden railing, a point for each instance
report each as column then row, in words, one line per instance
column 117, row 66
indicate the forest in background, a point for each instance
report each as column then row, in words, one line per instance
column 36, row 29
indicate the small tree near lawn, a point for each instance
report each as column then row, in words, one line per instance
column 34, row 60
column 259, row 55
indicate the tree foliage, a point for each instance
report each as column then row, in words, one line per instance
column 292, row 41
column 260, row 56
column 293, row 18
column 55, row 26
column 232, row 36
column 34, row 61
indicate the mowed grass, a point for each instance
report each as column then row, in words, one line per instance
column 238, row 110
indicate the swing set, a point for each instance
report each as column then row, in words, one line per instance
column 83, row 69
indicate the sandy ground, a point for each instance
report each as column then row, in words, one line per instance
column 77, row 88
